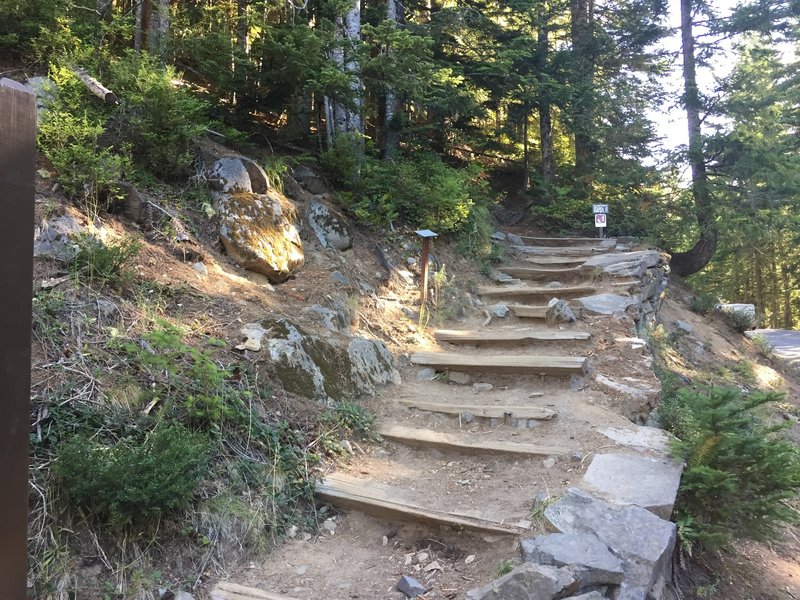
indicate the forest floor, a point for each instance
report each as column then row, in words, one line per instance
column 365, row 556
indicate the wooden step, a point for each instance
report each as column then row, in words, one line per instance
column 427, row 438
column 553, row 261
column 543, row 273
column 502, row 364
column 585, row 252
column 226, row 590
column 559, row 241
column 382, row 501
column 481, row 410
column 527, row 311
column 524, row 291
column 508, row 335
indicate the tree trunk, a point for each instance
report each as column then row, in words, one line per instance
column 152, row 26
column 526, row 177
column 693, row 260
column 391, row 137
column 582, row 34
column 347, row 119
column 545, row 119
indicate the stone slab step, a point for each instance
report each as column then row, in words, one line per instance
column 427, row 438
column 502, row 364
column 479, row 410
column 539, row 273
column 382, row 501
column 498, row 336
column 523, row 291
column 225, row 590
column 526, row 311
column 563, row 241
column 651, row 483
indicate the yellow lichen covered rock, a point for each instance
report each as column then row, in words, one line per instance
column 260, row 232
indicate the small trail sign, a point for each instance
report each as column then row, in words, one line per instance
column 600, row 208
column 600, row 219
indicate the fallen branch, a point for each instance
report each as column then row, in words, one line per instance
column 97, row 88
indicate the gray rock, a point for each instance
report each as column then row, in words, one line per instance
column 642, row 540
column 260, row 232
column 329, row 525
column 467, row 417
column 559, row 311
column 259, row 182
column 499, row 310
column 338, row 277
column 410, row 587
column 107, row 308
column 684, row 326
column 200, row 268
column 606, row 304
column 330, row 227
column 651, row 483
column 592, row 561
column 252, row 334
column 371, row 364
column 514, row 239
column 426, row 374
column 57, row 239
column 183, row 596
column 482, row 387
column 229, row 175
column 459, row 377
column 309, row 179
column 595, row 595
column 527, row 582
column 625, row 264
column 499, row 236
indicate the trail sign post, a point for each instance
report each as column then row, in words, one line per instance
column 600, row 218
column 426, row 235
column 17, row 172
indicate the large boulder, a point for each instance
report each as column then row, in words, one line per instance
column 310, row 180
column 329, row 368
column 591, row 560
column 260, row 232
column 528, row 582
column 606, row 304
column 330, row 227
column 237, row 174
column 642, row 540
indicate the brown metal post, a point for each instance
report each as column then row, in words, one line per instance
column 426, row 248
column 17, row 172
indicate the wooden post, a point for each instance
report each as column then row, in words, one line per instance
column 17, row 172
column 426, row 235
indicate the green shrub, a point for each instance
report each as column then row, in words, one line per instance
column 350, row 418
column 103, row 262
column 703, row 304
column 740, row 474
column 157, row 117
column 69, row 135
column 763, row 346
column 133, row 478
column 475, row 237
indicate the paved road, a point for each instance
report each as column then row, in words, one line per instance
column 785, row 343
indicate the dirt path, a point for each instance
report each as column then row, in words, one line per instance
column 447, row 496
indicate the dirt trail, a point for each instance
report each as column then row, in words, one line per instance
column 370, row 548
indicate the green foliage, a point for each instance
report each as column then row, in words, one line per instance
column 103, row 262
column 421, row 191
column 69, row 135
column 157, row 116
column 763, row 346
column 133, row 478
column 740, row 474
column 505, row 567
column 703, row 303
column 475, row 237
column 349, row 418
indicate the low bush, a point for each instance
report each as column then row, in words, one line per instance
column 133, row 478
column 740, row 474
column 703, row 304
column 103, row 262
